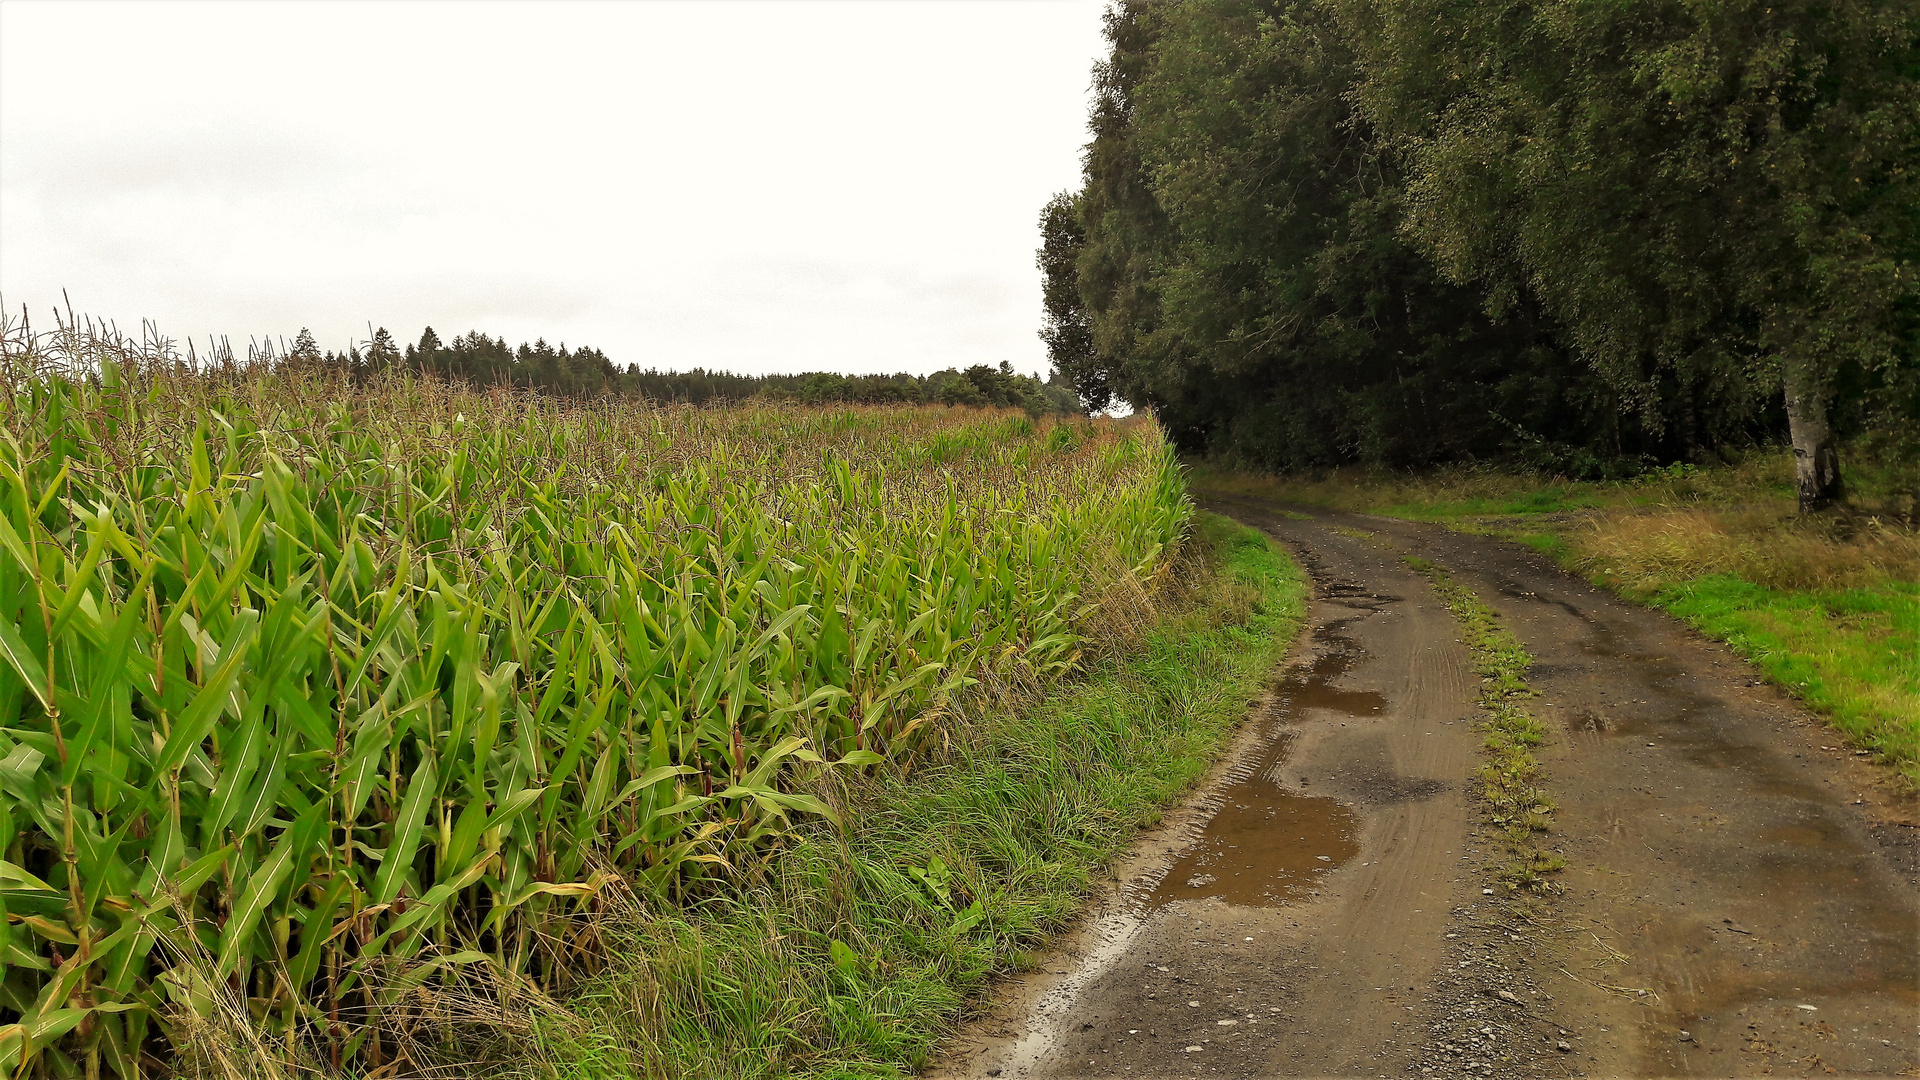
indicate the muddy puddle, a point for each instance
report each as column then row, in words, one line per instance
column 1267, row 845
column 1262, row 849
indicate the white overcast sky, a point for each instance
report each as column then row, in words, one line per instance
column 754, row 186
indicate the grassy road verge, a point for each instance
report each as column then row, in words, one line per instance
column 1826, row 607
column 856, row 949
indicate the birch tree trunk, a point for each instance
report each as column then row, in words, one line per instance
column 1816, row 459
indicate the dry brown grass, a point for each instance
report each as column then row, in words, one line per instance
column 1367, row 489
column 1647, row 549
column 1664, row 527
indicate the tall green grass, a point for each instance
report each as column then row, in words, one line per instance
column 314, row 697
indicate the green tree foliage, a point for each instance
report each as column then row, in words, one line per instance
column 1401, row 231
column 695, row 387
column 1236, row 267
column 978, row 385
column 1065, row 326
column 305, row 349
column 1002, row 387
column 381, row 353
column 1714, row 195
column 481, row 361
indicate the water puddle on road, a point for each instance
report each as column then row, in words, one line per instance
column 1314, row 689
column 1267, row 845
column 1263, row 846
column 1262, row 849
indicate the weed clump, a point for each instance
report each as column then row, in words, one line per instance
column 1518, row 806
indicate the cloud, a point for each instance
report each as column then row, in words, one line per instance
column 230, row 159
column 751, row 185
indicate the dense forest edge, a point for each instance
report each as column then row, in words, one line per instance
column 485, row 362
column 1586, row 240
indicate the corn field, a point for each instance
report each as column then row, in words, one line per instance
column 315, row 694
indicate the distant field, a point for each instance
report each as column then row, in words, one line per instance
column 314, row 695
column 1827, row 606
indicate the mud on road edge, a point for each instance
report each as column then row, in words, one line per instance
column 1040, row 1024
column 1116, row 912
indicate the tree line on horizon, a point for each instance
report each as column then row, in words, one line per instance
column 586, row 372
column 1586, row 236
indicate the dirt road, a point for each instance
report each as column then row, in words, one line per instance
column 1740, row 896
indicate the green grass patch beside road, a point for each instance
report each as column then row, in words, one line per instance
column 1851, row 653
column 857, row 949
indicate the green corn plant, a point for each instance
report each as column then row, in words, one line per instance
column 312, row 693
